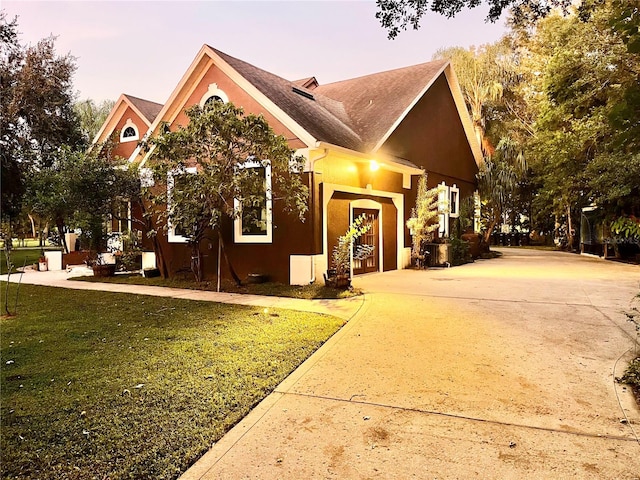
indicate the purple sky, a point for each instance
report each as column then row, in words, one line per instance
column 143, row 48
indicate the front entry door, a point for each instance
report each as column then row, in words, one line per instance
column 369, row 264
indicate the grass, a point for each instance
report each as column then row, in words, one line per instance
column 631, row 377
column 316, row 290
column 20, row 257
column 105, row 385
column 26, row 242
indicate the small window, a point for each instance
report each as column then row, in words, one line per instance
column 129, row 132
column 213, row 94
column 213, row 99
column 454, row 202
column 254, row 222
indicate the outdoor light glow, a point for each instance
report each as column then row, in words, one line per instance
column 374, row 165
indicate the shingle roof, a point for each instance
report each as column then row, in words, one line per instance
column 309, row 82
column 304, row 106
column 147, row 108
column 354, row 114
column 375, row 102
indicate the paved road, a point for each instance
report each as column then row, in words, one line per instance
column 498, row 369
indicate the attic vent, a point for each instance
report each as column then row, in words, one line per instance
column 303, row 93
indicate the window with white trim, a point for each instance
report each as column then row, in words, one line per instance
column 129, row 132
column 254, row 222
column 454, row 201
column 213, row 94
column 176, row 233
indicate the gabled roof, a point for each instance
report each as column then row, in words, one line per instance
column 375, row 102
column 149, row 110
column 145, row 109
column 360, row 113
column 357, row 114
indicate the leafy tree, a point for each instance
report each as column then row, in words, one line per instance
column 483, row 74
column 223, row 144
column 36, row 114
column 582, row 77
column 397, row 15
column 92, row 116
column 81, row 190
column 498, row 181
column 12, row 188
column 423, row 222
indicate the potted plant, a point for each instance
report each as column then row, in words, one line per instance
column 100, row 267
column 43, row 263
column 339, row 275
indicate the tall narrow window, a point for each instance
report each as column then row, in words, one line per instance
column 254, row 222
column 454, row 202
column 177, row 233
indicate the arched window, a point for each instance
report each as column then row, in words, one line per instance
column 129, row 132
column 212, row 99
column 213, row 94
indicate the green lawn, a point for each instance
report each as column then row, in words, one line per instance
column 103, row 385
column 317, row 290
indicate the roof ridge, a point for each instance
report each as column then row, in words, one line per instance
column 392, row 70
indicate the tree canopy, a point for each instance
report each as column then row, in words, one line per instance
column 396, row 15
column 36, row 110
column 230, row 153
column 564, row 94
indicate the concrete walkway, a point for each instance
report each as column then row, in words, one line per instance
column 343, row 308
column 499, row 369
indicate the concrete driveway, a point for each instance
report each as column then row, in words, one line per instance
column 499, row 369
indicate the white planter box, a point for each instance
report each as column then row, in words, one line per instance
column 54, row 260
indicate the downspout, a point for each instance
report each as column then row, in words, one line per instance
column 312, row 209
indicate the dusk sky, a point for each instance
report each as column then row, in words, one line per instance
column 143, row 48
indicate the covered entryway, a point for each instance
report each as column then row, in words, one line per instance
column 369, row 264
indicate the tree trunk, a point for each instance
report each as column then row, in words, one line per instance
column 160, row 260
column 569, row 229
column 33, row 226
column 492, row 226
column 60, row 227
column 196, row 261
column 226, row 259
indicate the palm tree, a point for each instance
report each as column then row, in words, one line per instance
column 498, row 180
column 483, row 75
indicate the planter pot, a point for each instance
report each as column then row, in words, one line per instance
column 151, row 272
column 254, row 278
column 337, row 281
column 108, row 270
column 43, row 266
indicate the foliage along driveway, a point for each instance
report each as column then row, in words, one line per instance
column 498, row 369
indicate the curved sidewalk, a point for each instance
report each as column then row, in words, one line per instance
column 342, row 308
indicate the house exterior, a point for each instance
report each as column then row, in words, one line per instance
column 365, row 141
